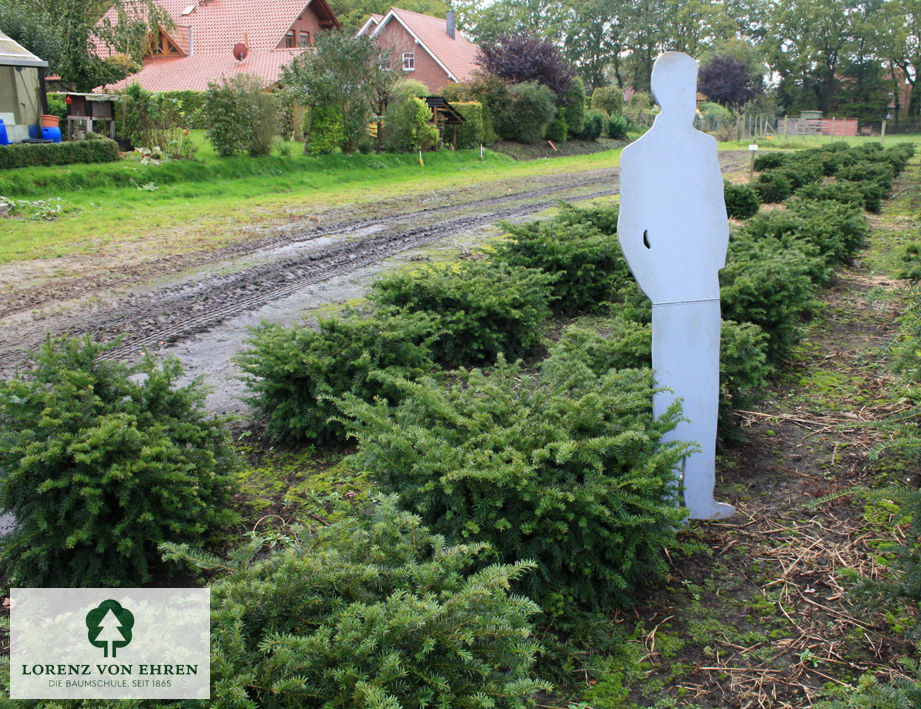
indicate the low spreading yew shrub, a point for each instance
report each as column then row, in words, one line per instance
column 100, row 462
column 564, row 467
column 293, row 372
column 587, row 262
column 767, row 282
column 372, row 614
column 837, row 230
column 742, row 201
column 481, row 308
column 773, row 186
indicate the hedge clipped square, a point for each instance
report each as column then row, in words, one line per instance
column 81, row 151
column 565, row 467
column 293, row 372
column 482, row 308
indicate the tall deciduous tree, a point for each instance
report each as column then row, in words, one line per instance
column 522, row 57
column 900, row 44
column 728, row 81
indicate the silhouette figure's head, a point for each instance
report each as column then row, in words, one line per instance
column 674, row 84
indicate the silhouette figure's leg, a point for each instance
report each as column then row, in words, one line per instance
column 686, row 359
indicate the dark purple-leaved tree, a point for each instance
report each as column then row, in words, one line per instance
column 523, row 57
column 728, row 81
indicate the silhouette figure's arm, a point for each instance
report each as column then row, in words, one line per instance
column 714, row 177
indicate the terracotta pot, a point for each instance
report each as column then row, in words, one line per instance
column 49, row 121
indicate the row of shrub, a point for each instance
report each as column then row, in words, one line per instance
column 44, row 154
column 557, row 462
column 862, row 174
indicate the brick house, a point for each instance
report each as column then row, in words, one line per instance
column 428, row 49
column 199, row 48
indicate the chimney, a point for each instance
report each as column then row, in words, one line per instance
column 449, row 21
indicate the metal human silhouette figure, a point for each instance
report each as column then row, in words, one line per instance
column 674, row 232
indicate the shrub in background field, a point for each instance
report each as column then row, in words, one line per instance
column 327, row 132
column 151, row 120
column 532, row 111
column 742, row 201
column 609, row 99
column 573, row 108
column 100, row 462
column 877, row 171
column 557, row 131
column 617, row 127
column 588, row 263
column 375, row 614
column 564, row 467
column 773, row 186
column 844, row 192
column 471, row 134
column 292, row 371
column 69, row 153
column 242, row 118
column 767, row 161
column 408, row 126
column 481, row 308
column 836, row 229
column 767, row 282
column 595, row 123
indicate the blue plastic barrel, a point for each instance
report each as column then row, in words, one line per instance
column 52, row 134
column 3, row 139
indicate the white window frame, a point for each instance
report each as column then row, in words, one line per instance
column 409, row 61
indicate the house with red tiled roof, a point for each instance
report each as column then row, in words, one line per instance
column 200, row 45
column 429, row 49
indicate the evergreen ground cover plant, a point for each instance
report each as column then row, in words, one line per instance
column 100, row 462
column 481, row 307
column 742, row 201
column 375, row 613
column 562, row 466
column 294, row 372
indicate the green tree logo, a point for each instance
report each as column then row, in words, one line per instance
column 109, row 626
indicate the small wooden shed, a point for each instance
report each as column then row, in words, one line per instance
column 444, row 114
column 90, row 112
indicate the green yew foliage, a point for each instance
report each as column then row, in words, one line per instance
column 876, row 170
column 372, row 614
column 742, row 201
column 100, row 462
column 837, row 230
column 481, row 308
column 595, row 122
column 768, row 161
column 587, row 261
column 844, row 192
column 617, row 343
column 292, row 372
column 767, row 282
column 564, row 467
column 773, row 186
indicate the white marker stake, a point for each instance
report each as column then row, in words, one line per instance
column 674, row 232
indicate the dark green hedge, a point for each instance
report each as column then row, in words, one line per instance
column 33, row 154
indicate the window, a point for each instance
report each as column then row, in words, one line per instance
column 304, row 39
column 409, row 61
column 289, row 39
